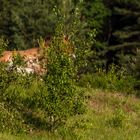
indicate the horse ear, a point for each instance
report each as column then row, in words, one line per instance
column 47, row 40
column 66, row 37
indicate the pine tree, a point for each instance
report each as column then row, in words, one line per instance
column 23, row 22
column 94, row 16
column 125, row 32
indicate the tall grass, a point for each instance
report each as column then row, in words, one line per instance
column 108, row 116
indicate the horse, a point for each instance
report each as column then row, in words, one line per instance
column 33, row 56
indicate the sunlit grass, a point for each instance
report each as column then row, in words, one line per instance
column 109, row 116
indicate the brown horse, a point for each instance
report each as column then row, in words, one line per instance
column 32, row 56
column 30, row 53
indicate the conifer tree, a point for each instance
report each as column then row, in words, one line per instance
column 95, row 15
column 125, row 32
column 22, row 22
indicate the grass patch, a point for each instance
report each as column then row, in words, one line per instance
column 113, row 80
column 108, row 116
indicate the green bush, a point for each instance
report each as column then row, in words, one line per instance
column 18, row 60
column 61, row 98
column 114, row 80
column 17, row 93
column 46, row 101
column 11, row 120
column 3, row 44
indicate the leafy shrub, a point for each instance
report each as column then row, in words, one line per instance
column 10, row 101
column 61, row 98
column 47, row 101
column 3, row 44
column 14, row 90
column 10, row 120
column 54, row 94
column 114, row 80
column 18, row 60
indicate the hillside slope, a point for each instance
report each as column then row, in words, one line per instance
column 109, row 116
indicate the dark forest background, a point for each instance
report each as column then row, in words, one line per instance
column 117, row 25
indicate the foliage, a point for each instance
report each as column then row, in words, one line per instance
column 94, row 15
column 137, row 71
column 23, row 21
column 49, row 102
column 113, row 80
column 11, row 120
column 124, row 39
column 62, row 99
column 117, row 119
column 55, row 94
column 18, row 60
column 11, row 101
column 3, row 44
column 103, row 107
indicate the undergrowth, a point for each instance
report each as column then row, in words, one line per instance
column 43, row 102
column 108, row 116
column 113, row 80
